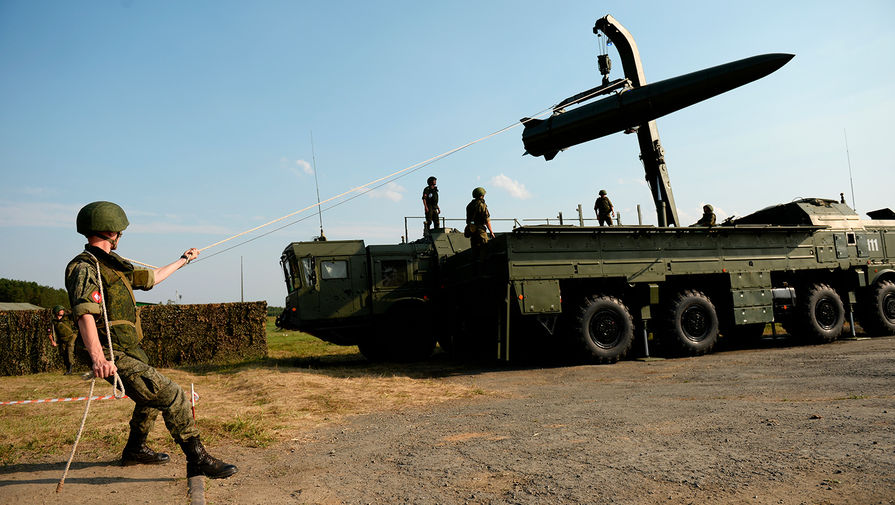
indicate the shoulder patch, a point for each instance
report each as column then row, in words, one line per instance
column 96, row 297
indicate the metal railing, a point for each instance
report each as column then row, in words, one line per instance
column 516, row 222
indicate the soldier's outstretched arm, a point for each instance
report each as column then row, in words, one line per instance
column 101, row 366
column 162, row 273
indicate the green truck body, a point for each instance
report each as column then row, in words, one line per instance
column 590, row 291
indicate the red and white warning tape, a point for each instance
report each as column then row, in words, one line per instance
column 55, row 400
column 82, row 398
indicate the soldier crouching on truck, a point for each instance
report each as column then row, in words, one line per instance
column 478, row 219
column 63, row 335
column 100, row 286
column 708, row 216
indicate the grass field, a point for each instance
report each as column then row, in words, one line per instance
column 303, row 383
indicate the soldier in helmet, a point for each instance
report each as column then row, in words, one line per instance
column 478, row 219
column 708, row 216
column 100, row 286
column 63, row 335
column 430, row 203
column 603, row 208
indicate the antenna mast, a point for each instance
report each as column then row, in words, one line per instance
column 317, row 185
column 850, row 180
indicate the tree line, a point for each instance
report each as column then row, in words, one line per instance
column 31, row 292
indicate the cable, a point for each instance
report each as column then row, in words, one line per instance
column 388, row 178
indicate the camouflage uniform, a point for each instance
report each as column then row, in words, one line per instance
column 65, row 338
column 708, row 217
column 477, row 217
column 150, row 390
column 430, row 196
column 603, row 208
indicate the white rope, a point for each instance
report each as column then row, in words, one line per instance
column 116, row 381
column 78, row 438
column 375, row 181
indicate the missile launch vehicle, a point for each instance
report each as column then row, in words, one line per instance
column 810, row 264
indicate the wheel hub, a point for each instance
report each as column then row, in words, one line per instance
column 889, row 307
column 826, row 313
column 694, row 324
column 605, row 329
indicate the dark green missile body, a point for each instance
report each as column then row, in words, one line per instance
column 631, row 108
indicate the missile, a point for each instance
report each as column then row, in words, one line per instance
column 629, row 109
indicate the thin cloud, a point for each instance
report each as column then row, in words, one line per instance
column 515, row 188
column 56, row 215
column 305, row 166
column 37, row 215
column 391, row 191
column 299, row 167
column 161, row 228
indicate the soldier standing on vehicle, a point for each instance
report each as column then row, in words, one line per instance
column 478, row 219
column 65, row 337
column 708, row 216
column 603, row 208
column 100, row 286
column 430, row 203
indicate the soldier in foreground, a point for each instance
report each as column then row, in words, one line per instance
column 108, row 295
column 708, row 216
column 603, row 208
column 430, row 203
column 65, row 337
column 478, row 219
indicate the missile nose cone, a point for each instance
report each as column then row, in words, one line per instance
column 763, row 64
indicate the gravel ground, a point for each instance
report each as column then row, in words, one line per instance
column 767, row 425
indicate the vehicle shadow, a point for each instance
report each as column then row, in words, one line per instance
column 442, row 364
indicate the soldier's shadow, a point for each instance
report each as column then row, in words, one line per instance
column 50, row 473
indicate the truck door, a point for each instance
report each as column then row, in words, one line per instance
column 341, row 287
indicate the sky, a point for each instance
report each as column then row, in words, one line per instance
column 198, row 118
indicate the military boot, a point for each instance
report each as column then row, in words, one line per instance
column 199, row 462
column 137, row 453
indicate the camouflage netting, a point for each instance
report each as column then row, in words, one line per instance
column 24, row 344
column 194, row 334
column 173, row 335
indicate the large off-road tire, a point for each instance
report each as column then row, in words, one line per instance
column 603, row 329
column 690, row 324
column 402, row 335
column 821, row 315
column 373, row 348
column 876, row 311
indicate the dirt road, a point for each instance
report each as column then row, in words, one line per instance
column 772, row 425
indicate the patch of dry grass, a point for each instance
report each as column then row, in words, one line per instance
column 306, row 383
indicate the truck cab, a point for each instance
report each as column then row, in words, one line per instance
column 378, row 297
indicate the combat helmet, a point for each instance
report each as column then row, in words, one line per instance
column 477, row 192
column 708, row 207
column 602, row 192
column 101, row 216
column 56, row 309
column 430, row 180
